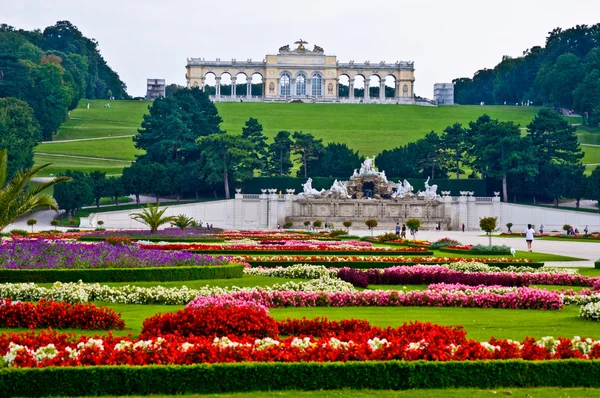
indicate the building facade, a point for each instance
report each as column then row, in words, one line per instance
column 155, row 88
column 307, row 75
column 443, row 93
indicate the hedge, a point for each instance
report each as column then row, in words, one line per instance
column 150, row 239
column 366, row 264
column 486, row 252
column 597, row 264
column 150, row 274
column 310, row 252
column 243, row 377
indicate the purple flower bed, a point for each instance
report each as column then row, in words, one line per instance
column 167, row 233
column 42, row 254
column 422, row 275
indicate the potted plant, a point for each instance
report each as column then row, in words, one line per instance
column 413, row 224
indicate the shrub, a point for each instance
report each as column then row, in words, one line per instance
column 73, row 222
column 20, row 232
column 413, row 225
column 444, row 242
column 212, row 321
column 494, row 249
column 337, row 232
column 100, row 223
column 347, row 224
column 567, row 227
column 31, row 222
column 387, row 237
column 509, row 226
column 317, row 223
column 288, row 225
column 54, row 223
column 73, row 230
column 488, row 224
column 306, row 223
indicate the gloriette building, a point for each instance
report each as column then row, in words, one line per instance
column 307, row 75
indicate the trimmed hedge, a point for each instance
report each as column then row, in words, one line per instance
column 309, row 252
column 243, row 377
column 150, row 239
column 444, row 249
column 597, row 264
column 149, row 274
column 366, row 264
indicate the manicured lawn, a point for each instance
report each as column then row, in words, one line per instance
column 535, row 257
column 80, row 128
column 592, row 154
column 61, row 164
column 117, row 148
column 438, row 393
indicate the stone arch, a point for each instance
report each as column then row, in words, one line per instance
column 317, row 83
column 374, row 86
column 391, row 84
column 258, row 84
column 285, row 84
column 344, row 85
column 210, row 83
column 359, row 85
column 301, row 83
column 225, row 84
column 240, row 88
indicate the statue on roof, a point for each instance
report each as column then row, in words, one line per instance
column 284, row 49
column 301, row 44
column 318, row 49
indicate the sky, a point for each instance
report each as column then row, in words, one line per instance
column 446, row 39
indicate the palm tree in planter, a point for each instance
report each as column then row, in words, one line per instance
column 16, row 200
column 347, row 224
column 413, row 224
column 153, row 217
column 31, row 222
column 182, row 221
column 371, row 223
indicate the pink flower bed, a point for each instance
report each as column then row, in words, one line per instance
column 520, row 298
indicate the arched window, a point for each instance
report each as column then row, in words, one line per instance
column 284, row 85
column 317, row 85
column 301, row 84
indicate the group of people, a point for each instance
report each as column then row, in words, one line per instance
column 401, row 231
column 576, row 231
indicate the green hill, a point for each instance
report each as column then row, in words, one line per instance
column 106, row 132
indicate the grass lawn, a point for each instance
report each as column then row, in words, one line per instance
column 117, row 148
column 61, row 164
column 535, row 257
column 592, row 154
column 77, row 128
column 555, row 392
column 588, row 135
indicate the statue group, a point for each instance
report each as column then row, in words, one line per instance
column 368, row 174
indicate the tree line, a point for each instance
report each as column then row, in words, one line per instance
column 186, row 154
column 43, row 75
column 564, row 73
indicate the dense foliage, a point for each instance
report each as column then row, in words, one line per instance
column 52, row 69
column 564, row 73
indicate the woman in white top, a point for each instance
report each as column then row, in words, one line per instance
column 529, row 236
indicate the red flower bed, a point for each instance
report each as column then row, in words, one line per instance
column 212, row 321
column 278, row 246
column 61, row 315
column 463, row 247
column 371, row 259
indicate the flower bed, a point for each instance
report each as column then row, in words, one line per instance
column 374, row 261
column 42, row 254
column 419, row 275
column 167, row 234
column 590, row 311
column 291, row 247
column 53, row 314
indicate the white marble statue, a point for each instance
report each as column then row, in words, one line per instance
column 430, row 191
column 367, row 167
column 355, row 175
column 383, row 177
column 339, row 189
column 403, row 190
column 309, row 190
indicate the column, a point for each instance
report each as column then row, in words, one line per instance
column 237, row 210
column 367, row 96
column 264, row 210
column 218, row 87
column 293, row 87
column 471, row 219
column 462, row 211
column 382, row 89
column 233, row 86
column 249, row 87
column 351, row 89
column 308, row 87
column 448, row 210
column 397, row 89
column 203, row 84
column 273, row 211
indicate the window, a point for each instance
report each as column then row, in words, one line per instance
column 284, row 85
column 317, row 85
column 301, row 84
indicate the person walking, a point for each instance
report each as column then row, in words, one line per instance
column 463, row 227
column 398, row 229
column 585, row 230
column 542, row 229
column 403, row 234
column 529, row 236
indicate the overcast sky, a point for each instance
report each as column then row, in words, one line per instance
column 445, row 38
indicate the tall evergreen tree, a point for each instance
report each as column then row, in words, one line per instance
column 308, row 148
column 280, row 161
column 337, row 161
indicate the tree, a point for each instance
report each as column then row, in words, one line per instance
column 306, row 223
column 253, row 132
column 31, row 222
column 337, row 161
column 75, row 194
column 54, row 223
column 19, row 133
column 280, row 162
column 182, row 221
column 16, row 200
column 153, row 217
column 308, row 148
column 226, row 156
column 371, row 224
column 431, row 156
column 114, row 188
column 455, row 146
column 593, row 186
column 172, row 88
column 413, row 225
column 500, row 151
column 99, row 185
column 134, row 180
column 347, row 224
column 488, row 225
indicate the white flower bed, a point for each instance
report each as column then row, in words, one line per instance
column 590, row 311
column 297, row 271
